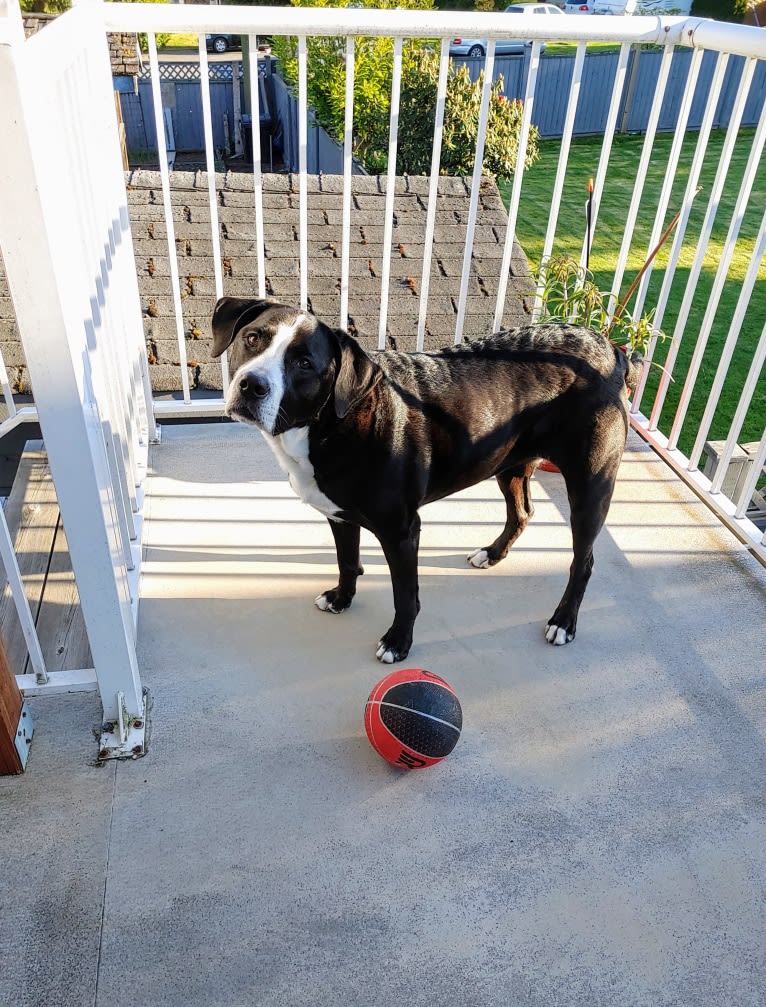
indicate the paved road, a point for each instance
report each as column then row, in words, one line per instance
column 184, row 55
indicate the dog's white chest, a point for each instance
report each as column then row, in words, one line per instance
column 292, row 452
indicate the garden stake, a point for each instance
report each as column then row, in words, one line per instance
column 588, row 211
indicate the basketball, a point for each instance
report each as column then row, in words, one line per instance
column 413, row 718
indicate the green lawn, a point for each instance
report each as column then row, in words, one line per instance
column 181, row 41
column 626, row 151
column 570, row 48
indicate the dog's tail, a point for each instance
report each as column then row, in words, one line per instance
column 633, row 364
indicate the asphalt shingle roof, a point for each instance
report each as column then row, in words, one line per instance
column 194, row 251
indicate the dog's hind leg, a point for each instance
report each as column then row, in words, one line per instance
column 339, row 598
column 589, row 499
column 519, row 510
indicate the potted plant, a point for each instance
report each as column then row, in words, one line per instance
column 568, row 293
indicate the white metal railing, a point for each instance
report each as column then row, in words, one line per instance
column 670, row 33
column 81, row 318
column 65, row 238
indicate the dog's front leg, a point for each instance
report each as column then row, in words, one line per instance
column 401, row 552
column 339, row 598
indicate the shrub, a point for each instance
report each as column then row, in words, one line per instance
column 721, row 10
column 461, row 122
column 373, row 65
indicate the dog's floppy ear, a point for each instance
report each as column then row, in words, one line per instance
column 230, row 314
column 357, row 375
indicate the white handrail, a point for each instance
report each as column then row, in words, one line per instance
column 687, row 31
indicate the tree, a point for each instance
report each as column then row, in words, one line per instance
column 373, row 68
column 45, row 6
column 461, row 122
column 721, row 10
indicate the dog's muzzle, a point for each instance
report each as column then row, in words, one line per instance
column 254, row 386
column 253, row 399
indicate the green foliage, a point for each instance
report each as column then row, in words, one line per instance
column 45, row 6
column 461, row 122
column 373, row 64
column 569, row 293
column 721, row 10
column 488, row 5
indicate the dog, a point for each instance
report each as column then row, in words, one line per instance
column 367, row 439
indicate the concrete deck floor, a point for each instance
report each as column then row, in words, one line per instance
column 598, row 837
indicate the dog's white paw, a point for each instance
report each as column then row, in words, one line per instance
column 557, row 635
column 384, row 655
column 324, row 604
column 479, row 558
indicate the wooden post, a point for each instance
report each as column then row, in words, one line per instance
column 10, row 714
column 121, row 131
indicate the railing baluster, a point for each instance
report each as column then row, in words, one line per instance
column 215, row 230
column 388, row 219
column 671, row 171
column 162, row 152
column 727, row 351
column 680, row 232
column 255, row 133
column 702, row 242
column 748, row 488
column 302, row 171
column 433, row 192
column 714, row 297
column 473, row 206
column 5, row 387
column 348, row 160
column 745, row 399
column 85, row 172
column 561, row 170
column 618, row 86
column 518, row 174
column 21, row 602
column 643, row 167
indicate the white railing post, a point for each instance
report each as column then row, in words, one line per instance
column 54, row 272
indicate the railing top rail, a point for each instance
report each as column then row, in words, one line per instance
column 429, row 24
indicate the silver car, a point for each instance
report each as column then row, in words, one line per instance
column 503, row 46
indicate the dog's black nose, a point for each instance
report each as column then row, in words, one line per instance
column 253, row 385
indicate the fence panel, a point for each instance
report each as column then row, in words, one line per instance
column 140, row 134
column 555, row 74
column 183, row 96
column 597, row 78
column 187, row 117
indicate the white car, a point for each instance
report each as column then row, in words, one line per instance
column 503, row 46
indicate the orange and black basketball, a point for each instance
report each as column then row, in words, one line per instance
column 413, row 718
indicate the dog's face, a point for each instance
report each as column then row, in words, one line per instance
column 286, row 364
column 282, row 362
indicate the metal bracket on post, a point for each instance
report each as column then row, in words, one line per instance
column 24, row 733
column 126, row 737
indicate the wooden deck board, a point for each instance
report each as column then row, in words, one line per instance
column 34, row 520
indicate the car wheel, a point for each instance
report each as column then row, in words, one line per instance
column 476, row 50
column 220, row 44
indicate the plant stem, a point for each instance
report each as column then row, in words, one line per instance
column 631, row 289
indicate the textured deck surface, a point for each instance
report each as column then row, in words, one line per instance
column 598, row 836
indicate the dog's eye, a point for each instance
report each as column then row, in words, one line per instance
column 304, row 363
column 252, row 339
